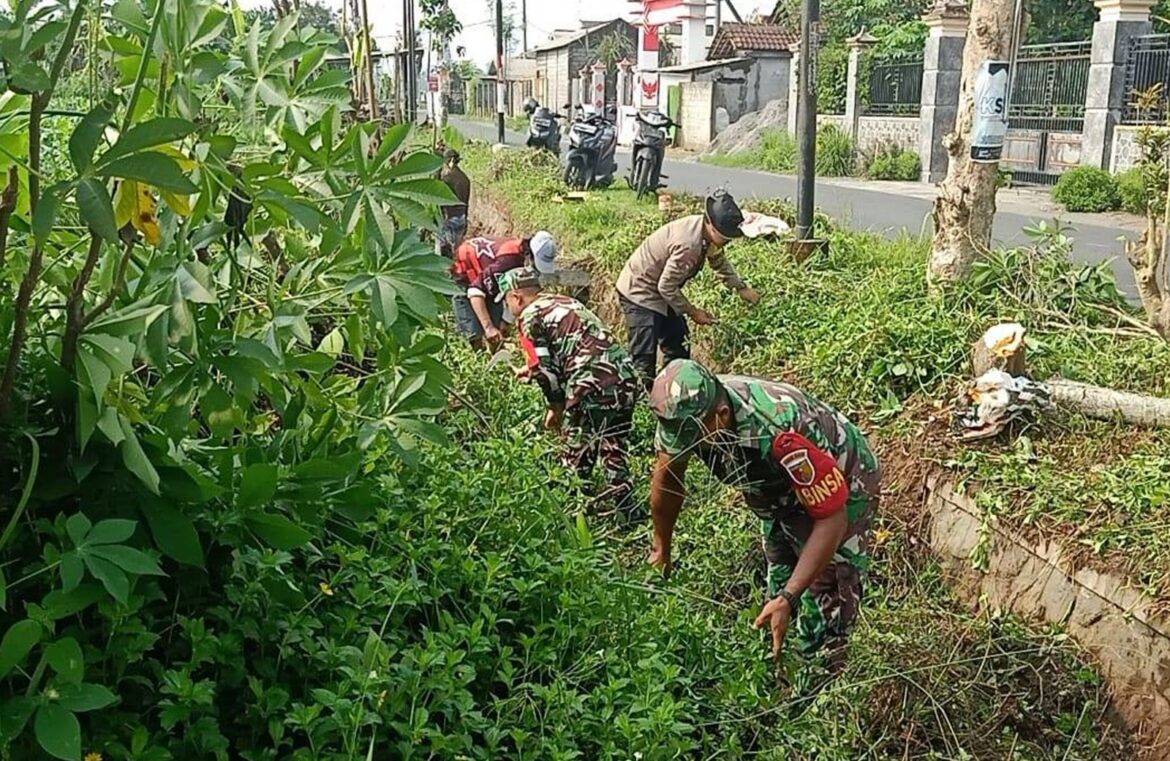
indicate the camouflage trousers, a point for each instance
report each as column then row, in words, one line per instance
column 829, row 607
column 601, row 431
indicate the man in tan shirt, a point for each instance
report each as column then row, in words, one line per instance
column 651, row 283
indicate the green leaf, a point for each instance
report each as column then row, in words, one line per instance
column 14, row 715
column 257, row 485
column 85, row 138
column 385, row 302
column 221, row 415
column 45, row 216
column 60, row 604
column 190, row 277
column 65, row 657
column 422, row 162
column 174, row 533
column 110, row 424
column 426, row 191
column 71, row 571
column 332, row 344
column 77, row 527
column 58, row 731
column 135, row 458
column 278, row 531
column 152, row 168
column 3, row 591
column 115, row 353
column 128, row 559
column 130, row 321
column 86, row 697
column 97, row 209
column 29, row 76
column 18, row 642
column 111, row 531
column 111, row 577
column 149, row 135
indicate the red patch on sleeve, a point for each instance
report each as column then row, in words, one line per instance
column 819, row 483
column 529, row 350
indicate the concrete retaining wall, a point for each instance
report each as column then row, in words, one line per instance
column 1118, row 625
column 873, row 131
column 698, row 115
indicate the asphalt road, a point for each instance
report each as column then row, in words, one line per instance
column 892, row 209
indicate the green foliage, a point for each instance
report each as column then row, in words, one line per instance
column 1087, row 189
column 1131, row 189
column 892, row 162
column 778, row 152
column 835, row 156
column 832, row 76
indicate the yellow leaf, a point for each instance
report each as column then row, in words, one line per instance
column 180, row 204
column 134, row 203
column 185, row 163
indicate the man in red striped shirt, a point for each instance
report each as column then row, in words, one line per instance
column 478, row 262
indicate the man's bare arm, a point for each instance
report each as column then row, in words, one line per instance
column 667, row 492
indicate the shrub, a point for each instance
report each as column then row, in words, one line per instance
column 834, row 152
column 1131, row 188
column 893, row 162
column 778, row 152
column 1087, row 189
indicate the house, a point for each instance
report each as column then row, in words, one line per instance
column 560, row 60
column 748, row 66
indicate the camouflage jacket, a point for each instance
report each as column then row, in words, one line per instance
column 573, row 356
column 765, row 410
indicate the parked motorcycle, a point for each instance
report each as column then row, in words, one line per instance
column 544, row 130
column 649, row 149
column 590, row 162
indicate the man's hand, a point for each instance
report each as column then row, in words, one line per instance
column 750, row 295
column 778, row 615
column 493, row 336
column 553, row 419
column 660, row 557
column 703, row 317
column 523, row 373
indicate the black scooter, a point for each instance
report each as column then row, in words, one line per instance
column 544, row 131
column 591, row 162
column 649, row 149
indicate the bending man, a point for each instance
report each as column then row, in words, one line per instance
column 478, row 262
column 588, row 380
column 650, row 285
column 803, row 469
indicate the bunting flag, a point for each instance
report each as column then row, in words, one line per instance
column 650, row 38
column 658, row 12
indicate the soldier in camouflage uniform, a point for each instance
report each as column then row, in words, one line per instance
column 586, row 377
column 804, row 470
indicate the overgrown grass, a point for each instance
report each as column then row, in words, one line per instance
column 859, row 329
column 925, row 680
column 777, row 153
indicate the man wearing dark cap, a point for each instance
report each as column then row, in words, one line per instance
column 588, row 380
column 454, row 215
column 804, row 470
column 650, row 285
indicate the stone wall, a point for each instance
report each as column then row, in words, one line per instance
column 1125, row 152
column 901, row 131
column 1117, row 623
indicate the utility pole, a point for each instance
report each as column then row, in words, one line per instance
column 524, row 24
column 500, row 68
column 806, row 121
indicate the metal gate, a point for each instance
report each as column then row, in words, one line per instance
column 1047, row 114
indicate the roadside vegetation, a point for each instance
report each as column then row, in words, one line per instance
column 910, row 614
column 859, row 329
column 836, row 157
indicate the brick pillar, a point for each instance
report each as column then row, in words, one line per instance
column 942, row 73
column 1118, row 22
column 793, row 90
column 853, row 87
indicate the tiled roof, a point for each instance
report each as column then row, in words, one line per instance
column 734, row 38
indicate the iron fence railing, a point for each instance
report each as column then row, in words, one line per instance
column 1147, row 78
column 1049, row 87
column 895, row 88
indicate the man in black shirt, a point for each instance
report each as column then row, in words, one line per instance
column 454, row 216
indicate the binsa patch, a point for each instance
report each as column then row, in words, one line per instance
column 819, row 483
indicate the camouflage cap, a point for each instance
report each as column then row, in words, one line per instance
column 521, row 278
column 684, row 392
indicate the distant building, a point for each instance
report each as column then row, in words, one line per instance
column 560, row 60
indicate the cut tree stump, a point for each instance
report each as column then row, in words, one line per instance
column 1000, row 348
column 1107, row 404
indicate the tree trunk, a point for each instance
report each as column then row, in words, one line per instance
column 1107, row 404
column 965, row 206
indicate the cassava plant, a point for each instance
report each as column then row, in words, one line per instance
column 214, row 304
